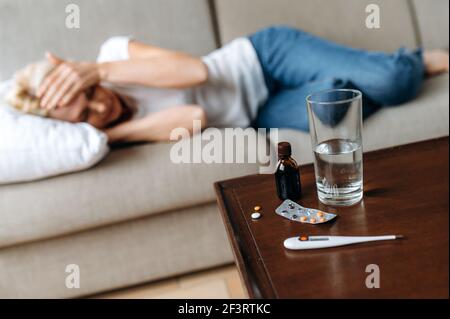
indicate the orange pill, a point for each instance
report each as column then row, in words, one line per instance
column 322, row 220
column 303, row 238
column 303, row 219
column 312, row 220
column 320, row 214
column 257, row 208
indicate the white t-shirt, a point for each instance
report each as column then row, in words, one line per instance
column 231, row 97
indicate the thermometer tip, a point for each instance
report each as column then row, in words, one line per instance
column 399, row 236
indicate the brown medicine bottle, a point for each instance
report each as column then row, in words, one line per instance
column 287, row 175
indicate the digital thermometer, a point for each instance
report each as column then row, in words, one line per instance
column 316, row 242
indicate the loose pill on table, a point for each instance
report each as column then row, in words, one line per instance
column 257, row 208
column 256, row 215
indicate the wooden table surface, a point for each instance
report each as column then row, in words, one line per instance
column 405, row 192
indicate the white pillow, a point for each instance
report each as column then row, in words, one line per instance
column 32, row 147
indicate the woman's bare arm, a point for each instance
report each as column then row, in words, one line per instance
column 156, row 67
column 158, row 126
column 168, row 70
column 140, row 50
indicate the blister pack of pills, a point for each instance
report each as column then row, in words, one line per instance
column 293, row 211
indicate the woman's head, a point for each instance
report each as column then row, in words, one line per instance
column 98, row 106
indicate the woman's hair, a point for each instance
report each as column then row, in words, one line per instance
column 23, row 94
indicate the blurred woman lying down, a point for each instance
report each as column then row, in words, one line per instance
column 139, row 92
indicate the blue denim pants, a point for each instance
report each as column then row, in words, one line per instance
column 296, row 63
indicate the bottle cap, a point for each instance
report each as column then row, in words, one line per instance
column 284, row 149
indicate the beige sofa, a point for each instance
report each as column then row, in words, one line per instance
column 137, row 217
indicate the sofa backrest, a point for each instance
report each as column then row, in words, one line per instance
column 28, row 28
column 340, row 20
column 432, row 22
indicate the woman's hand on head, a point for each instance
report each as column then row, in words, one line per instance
column 66, row 81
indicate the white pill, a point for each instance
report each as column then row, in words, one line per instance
column 256, row 215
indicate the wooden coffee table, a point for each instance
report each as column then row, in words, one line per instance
column 405, row 192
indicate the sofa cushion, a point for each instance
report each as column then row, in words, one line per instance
column 131, row 182
column 339, row 20
column 117, row 255
column 424, row 118
column 432, row 21
column 28, row 30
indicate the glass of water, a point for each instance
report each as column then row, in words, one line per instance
column 335, row 125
